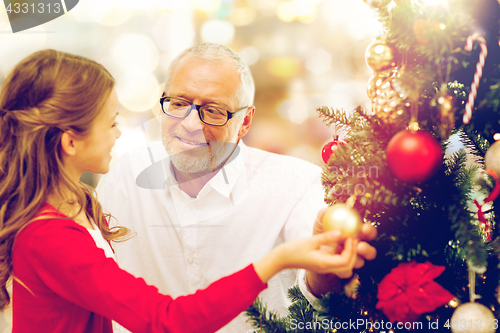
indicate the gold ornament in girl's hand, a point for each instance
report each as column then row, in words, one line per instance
column 342, row 217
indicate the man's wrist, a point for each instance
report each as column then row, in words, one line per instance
column 320, row 284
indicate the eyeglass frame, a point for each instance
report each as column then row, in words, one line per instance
column 230, row 114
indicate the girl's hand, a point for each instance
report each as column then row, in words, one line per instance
column 313, row 254
column 364, row 250
column 319, row 283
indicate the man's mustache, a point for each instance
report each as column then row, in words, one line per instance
column 153, row 178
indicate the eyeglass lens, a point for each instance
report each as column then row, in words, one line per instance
column 209, row 114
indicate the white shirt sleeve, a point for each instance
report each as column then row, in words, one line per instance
column 117, row 328
column 304, row 288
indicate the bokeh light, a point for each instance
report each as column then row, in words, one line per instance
column 434, row 2
column 217, row 32
column 319, row 61
column 243, row 16
column 296, row 109
column 14, row 47
column 138, row 90
column 250, row 55
column 155, row 4
column 264, row 5
column 207, row 5
column 356, row 19
column 130, row 139
column 135, row 51
column 341, row 96
column 284, row 67
column 174, row 32
column 286, row 12
column 110, row 12
column 304, row 10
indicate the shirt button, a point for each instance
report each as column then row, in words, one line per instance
column 190, row 259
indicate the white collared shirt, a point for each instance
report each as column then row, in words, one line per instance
column 254, row 203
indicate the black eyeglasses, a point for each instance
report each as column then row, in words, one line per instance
column 210, row 115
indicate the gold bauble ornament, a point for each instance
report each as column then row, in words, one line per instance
column 375, row 82
column 492, row 157
column 443, row 111
column 371, row 87
column 392, row 112
column 379, row 56
column 342, row 217
column 377, row 3
column 473, row 317
column 390, row 100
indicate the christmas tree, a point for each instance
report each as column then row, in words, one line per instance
column 436, row 75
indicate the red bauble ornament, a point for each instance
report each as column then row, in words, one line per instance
column 330, row 147
column 414, row 156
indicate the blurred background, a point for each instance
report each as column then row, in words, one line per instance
column 303, row 54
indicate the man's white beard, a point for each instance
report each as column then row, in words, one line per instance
column 211, row 159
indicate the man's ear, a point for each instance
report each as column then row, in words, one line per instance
column 247, row 121
column 68, row 143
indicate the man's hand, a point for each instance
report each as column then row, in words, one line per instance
column 320, row 284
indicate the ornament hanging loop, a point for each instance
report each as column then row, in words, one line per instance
column 477, row 76
column 472, row 281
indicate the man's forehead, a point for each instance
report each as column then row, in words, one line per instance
column 197, row 68
column 190, row 60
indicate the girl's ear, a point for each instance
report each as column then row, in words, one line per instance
column 68, row 143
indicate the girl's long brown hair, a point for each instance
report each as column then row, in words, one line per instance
column 46, row 94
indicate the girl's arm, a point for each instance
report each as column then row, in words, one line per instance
column 64, row 256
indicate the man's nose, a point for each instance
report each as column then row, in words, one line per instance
column 192, row 122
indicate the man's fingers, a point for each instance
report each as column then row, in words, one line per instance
column 359, row 262
column 318, row 224
column 366, row 251
column 368, row 232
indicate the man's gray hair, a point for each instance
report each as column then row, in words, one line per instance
column 218, row 52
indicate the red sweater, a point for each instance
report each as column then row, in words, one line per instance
column 70, row 286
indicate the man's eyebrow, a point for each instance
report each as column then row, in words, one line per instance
column 220, row 104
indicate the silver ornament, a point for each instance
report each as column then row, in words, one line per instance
column 473, row 317
column 492, row 158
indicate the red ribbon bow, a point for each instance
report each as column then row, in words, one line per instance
column 493, row 195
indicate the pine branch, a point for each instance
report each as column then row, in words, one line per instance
column 474, row 143
column 471, row 246
column 266, row 321
column 295, row 295
column 336, row 117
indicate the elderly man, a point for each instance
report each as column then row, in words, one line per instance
column 202, row 204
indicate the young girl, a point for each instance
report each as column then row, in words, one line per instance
column 57, row 120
